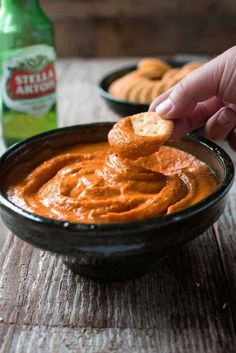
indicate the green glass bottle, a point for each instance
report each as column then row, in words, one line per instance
column 27, row 71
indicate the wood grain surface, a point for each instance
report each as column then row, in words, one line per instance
column 187, row 305
column 144, row 27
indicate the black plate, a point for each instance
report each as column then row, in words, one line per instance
column 123, row 107
column 113, row 251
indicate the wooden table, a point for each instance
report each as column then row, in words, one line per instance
column 187, row 305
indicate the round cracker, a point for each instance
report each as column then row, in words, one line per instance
column 181, row 74
column 170, row 73
column 157, row 89
column 153, row 63
column 147, row 94
column 139, row 135
column 151, row 124
column 143, row 85
column 152, row 68
column 192, row 66
column 142, row 95
column 119, row 87
column 130, row 84
column 152, row 73
column 134, row 93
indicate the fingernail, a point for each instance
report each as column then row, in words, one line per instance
column 164, row 107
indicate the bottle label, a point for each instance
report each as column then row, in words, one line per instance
column 29, row 81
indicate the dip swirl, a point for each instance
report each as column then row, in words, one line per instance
column 90, row 184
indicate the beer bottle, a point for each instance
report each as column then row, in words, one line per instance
column 27, row 72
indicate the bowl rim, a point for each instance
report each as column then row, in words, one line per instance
column 130, row 226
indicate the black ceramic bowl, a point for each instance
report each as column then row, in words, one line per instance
column 113, row 251
column 123, row 107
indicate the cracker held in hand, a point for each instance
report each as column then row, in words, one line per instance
column 139, row 135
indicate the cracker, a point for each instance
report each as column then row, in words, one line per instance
column 157, row 89
column 170, row 73
column 152, row 78
column 181, row 74
column 192, row 66
column 151, row 124
column 134, row 93
column 145, row 96
column 153, row 67
column 118, row 87
column 114, row 87
column 130, row 83
column 139, row 135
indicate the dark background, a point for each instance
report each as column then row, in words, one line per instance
column 141, row 27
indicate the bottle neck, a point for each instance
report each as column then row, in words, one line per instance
column 27, row 5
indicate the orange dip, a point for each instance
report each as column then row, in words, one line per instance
column 90, row 184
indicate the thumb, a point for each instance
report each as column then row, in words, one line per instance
column 198, row 86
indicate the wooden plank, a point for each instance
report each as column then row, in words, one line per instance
column 118, row 28
column 225, row 232
column 54, row 340
column 125, row 8
column 5, row 242
column 185, row 300
column 149, row 35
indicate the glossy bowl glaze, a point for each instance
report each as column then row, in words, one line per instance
column 123, row 107
column 113, row 251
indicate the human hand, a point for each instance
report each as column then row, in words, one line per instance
column 206, row 96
